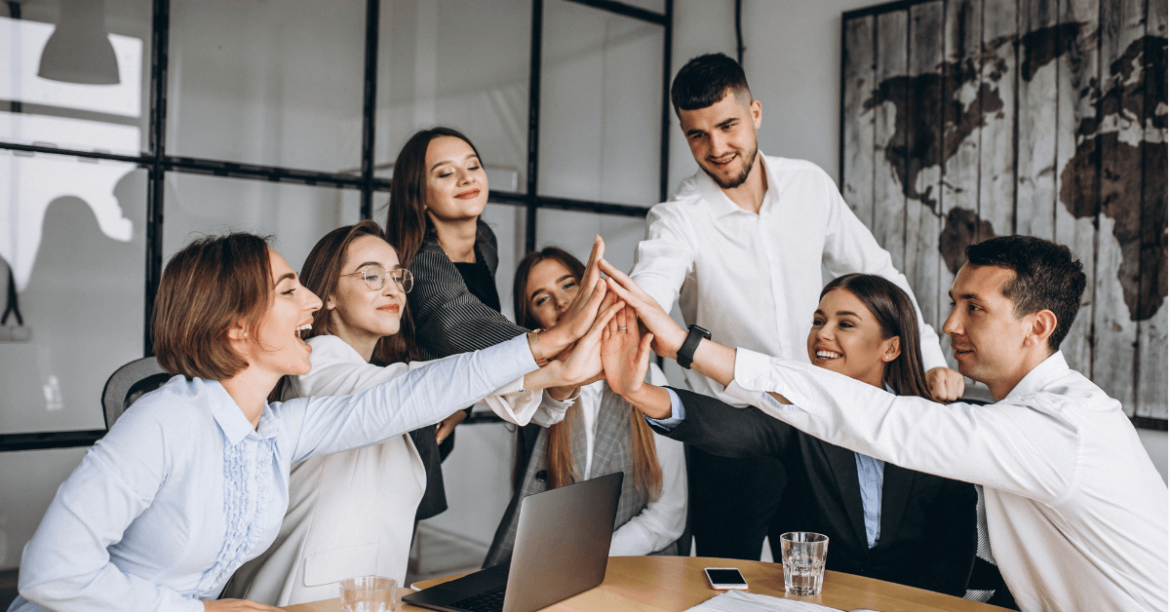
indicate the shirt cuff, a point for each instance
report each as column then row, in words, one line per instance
column 678, row 413
column 753, row 380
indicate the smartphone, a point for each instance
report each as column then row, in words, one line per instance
column 723, row 578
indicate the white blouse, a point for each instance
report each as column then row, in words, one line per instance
column 663, row 520
column 352, row 513
column 183, row 490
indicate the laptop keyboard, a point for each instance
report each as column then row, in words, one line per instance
column 489, row 601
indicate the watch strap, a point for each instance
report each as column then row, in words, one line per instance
column 686, row 353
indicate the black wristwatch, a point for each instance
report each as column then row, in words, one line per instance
column 686, row 353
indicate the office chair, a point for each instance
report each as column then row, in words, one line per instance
column 128, row 383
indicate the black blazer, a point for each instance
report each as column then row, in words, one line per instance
column 928, row 530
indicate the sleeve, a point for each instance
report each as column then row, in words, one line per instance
column 66, row 566
column 447, row 317
column 419, row 397
column 334, row 374
column 1027, row 447
column 552, row 411
column 953, row 540
column 850, row 247
column 664, row 259
column 727, row 431
column 663, row 520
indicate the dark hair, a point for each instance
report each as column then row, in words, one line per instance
column 406, row 222
column 322, row 271
column 520, row 283
column 1047, row 277
column 894, row 312
column 210, row 285
column 705, row 80
column 562, row 470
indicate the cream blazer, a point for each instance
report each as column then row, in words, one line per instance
column 352, row 513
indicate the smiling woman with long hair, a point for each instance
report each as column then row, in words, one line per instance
column 352, row 513
column 601, row 434
column 191, row 482
column 884, row 521
column 437, row 194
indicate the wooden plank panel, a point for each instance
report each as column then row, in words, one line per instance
column 889, row 142
column 924, row 159
column 1077, row 172
column 1118, row 237
column 858, row 120
column 962, row 121
column 997, row 146
column 1152, row 332
column 1036, row 136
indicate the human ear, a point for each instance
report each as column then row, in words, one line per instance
column 1043, row 325
column 893, row 349
column 757, row 113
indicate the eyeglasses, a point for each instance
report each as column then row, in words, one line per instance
column 375, row 277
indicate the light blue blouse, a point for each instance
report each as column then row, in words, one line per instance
column 182, row 490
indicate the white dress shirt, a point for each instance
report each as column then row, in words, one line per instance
column 183, row 489
column 352, row 513
column 1076, row 511
column 755, row 280
column 663, row 520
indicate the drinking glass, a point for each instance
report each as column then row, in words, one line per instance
column 804, row 554
column 368, row 594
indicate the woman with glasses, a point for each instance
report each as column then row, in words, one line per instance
column 437, row 194
column 352, row 513
column 192, row 480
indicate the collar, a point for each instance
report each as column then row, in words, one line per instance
column 230, row 418
column 1048, row 370
column 722, row 205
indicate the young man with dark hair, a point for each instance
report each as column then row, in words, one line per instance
column 741, row 246
column 1076, row 511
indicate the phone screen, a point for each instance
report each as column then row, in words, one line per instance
column 725, row 576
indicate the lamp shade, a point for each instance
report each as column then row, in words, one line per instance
column 79, row 50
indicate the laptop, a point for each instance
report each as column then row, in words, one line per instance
column 562, row 548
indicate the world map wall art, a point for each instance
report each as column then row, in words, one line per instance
column 967, row 119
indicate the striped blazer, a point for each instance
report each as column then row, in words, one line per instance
column 449, row 320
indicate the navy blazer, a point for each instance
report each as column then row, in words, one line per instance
column 928, row 525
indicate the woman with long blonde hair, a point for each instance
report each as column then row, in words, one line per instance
column 601, row 434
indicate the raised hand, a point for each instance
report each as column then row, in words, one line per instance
column 582, row 312
column 625, row 356
column 668, row 336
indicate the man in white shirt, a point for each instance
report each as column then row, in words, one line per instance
column 741, row 246
column 1076, row 511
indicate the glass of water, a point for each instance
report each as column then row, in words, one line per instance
column 368, row 594
column 804, row 554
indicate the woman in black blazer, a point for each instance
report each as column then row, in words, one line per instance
column 437, row 194
column 883, row 521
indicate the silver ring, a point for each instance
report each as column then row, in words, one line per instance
column 621, row 329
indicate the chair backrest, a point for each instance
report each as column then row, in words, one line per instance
column 128, row 383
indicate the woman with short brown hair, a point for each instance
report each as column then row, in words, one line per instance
column 192, row 481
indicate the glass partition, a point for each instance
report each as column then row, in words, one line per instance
column 268, row 83
column 600, row 105
column 49, row 98
column 459, row 64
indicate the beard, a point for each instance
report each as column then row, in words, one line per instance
column 737, row 180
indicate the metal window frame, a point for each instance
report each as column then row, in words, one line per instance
column 157, row 163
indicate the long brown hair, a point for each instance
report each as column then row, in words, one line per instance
column 559, row 458
column 407, row 223
column 894, row 312
column 321, row 273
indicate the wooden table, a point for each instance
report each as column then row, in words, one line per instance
column 673, row 584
